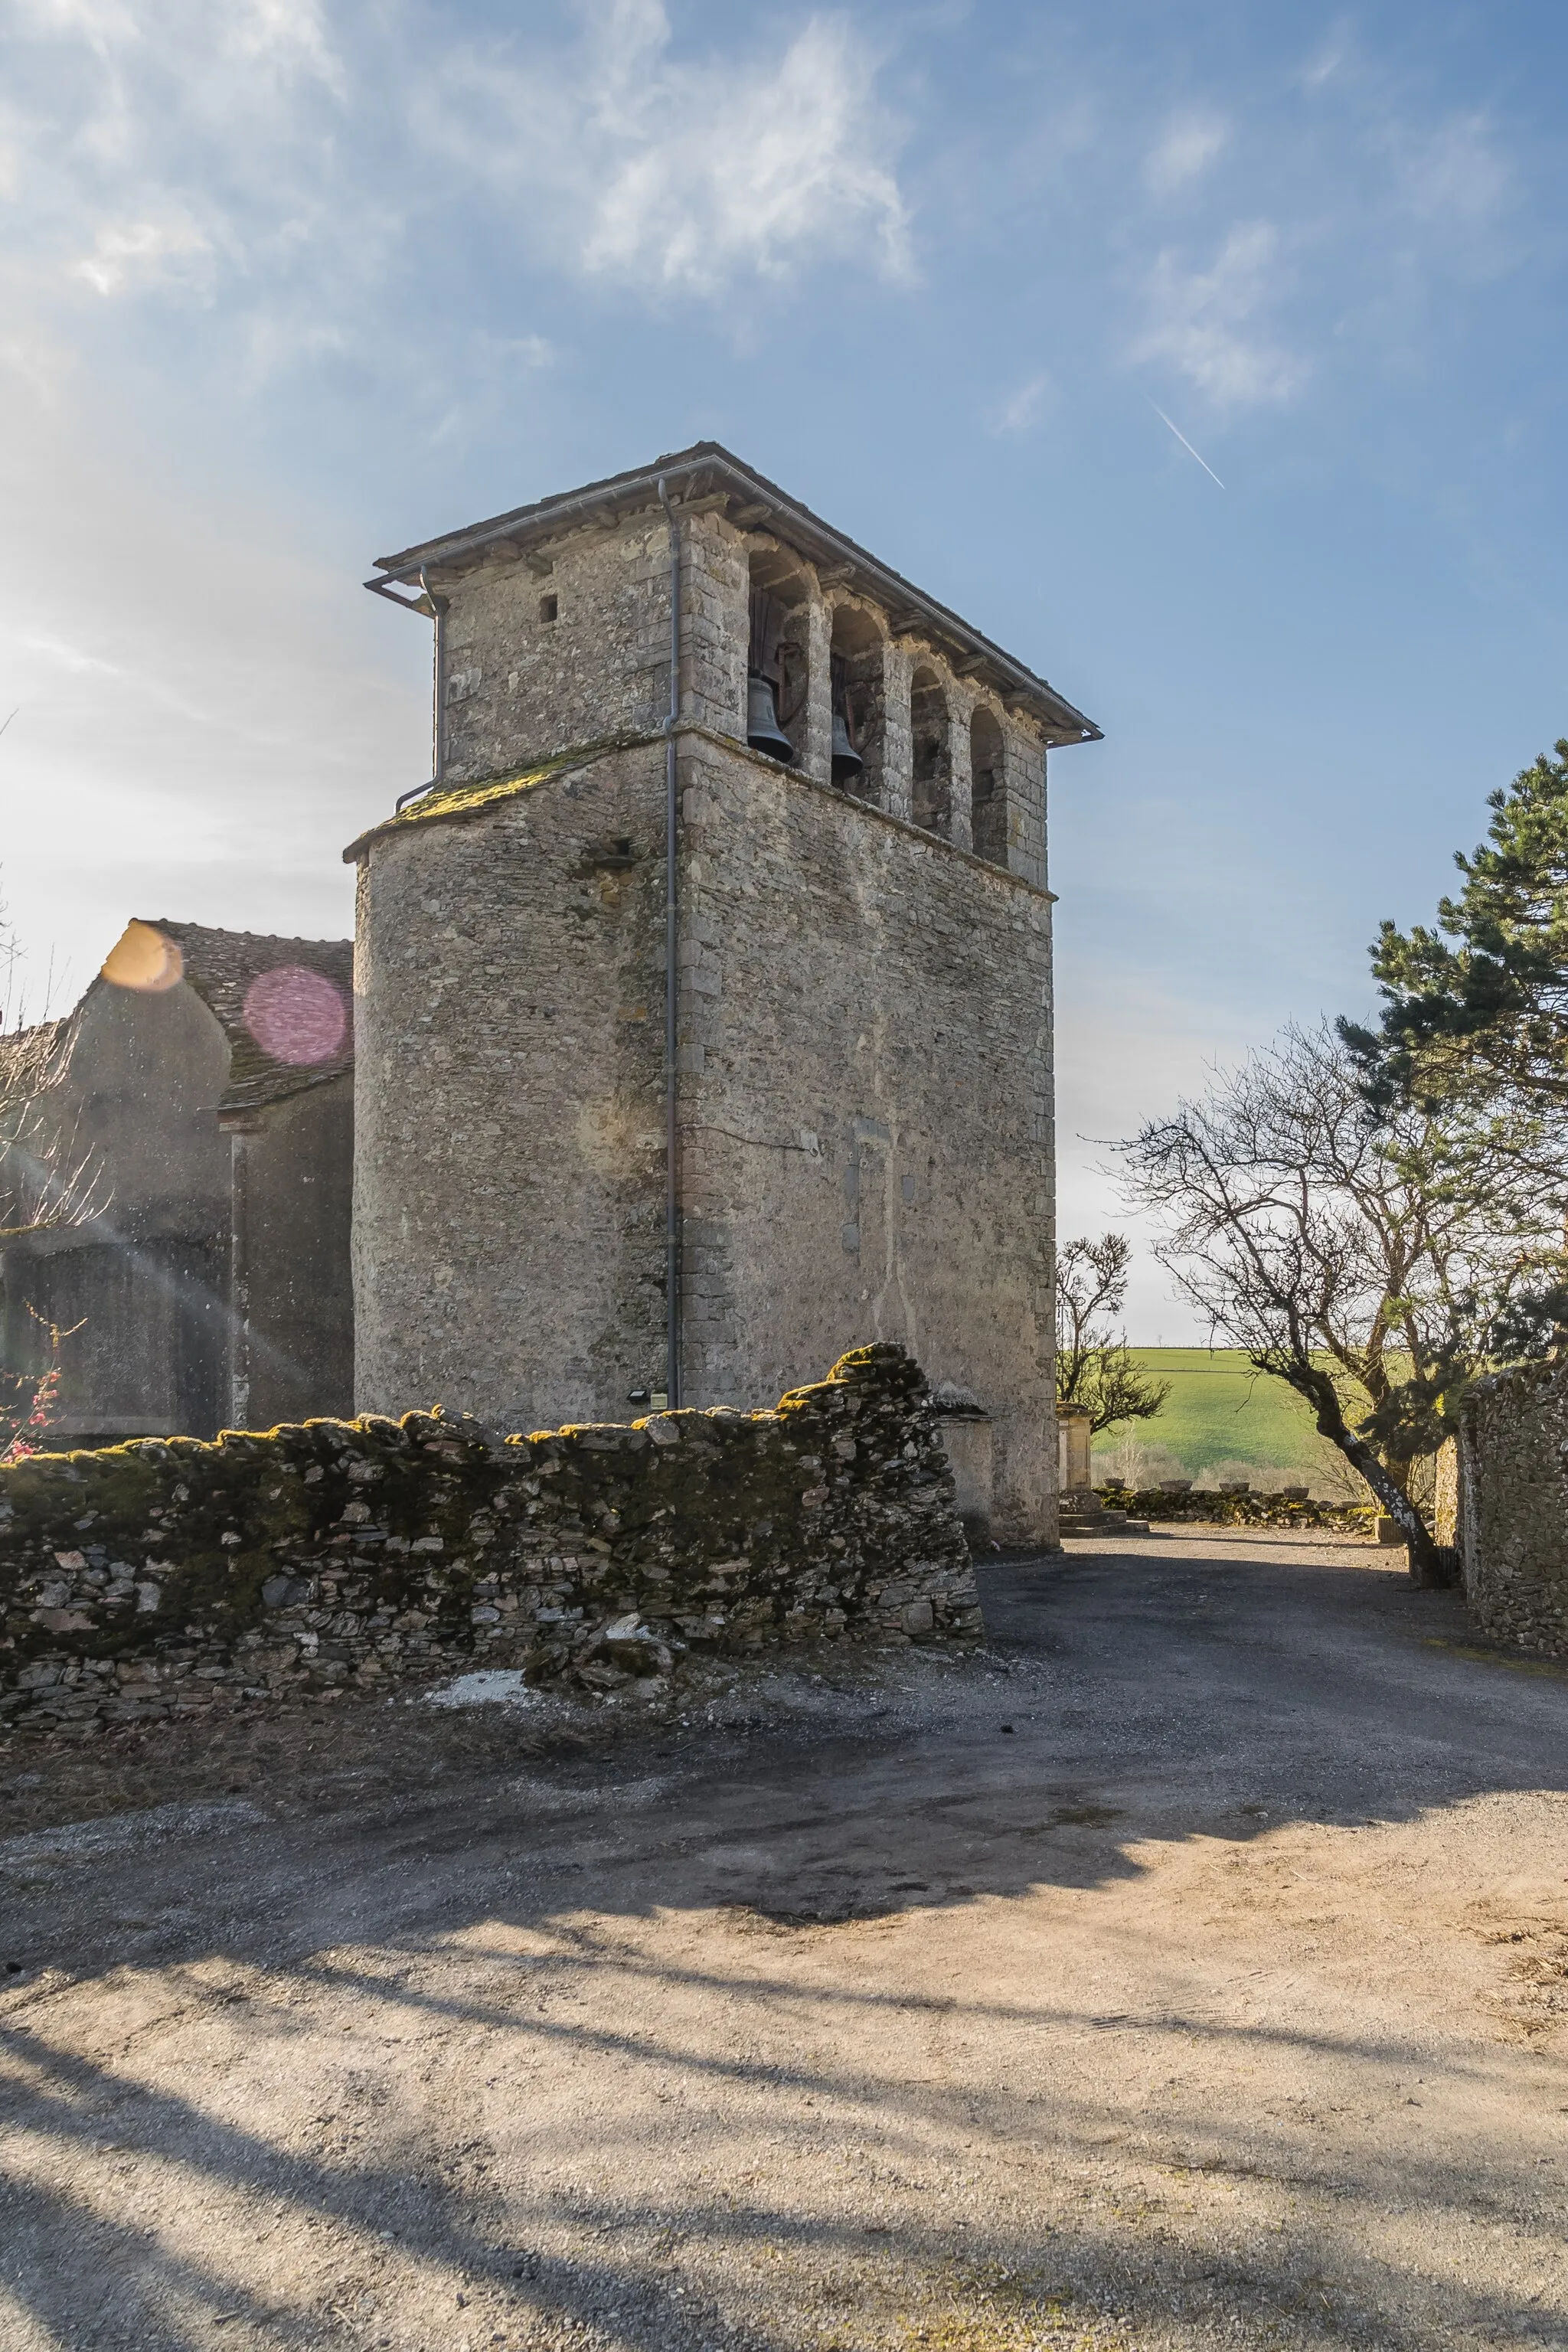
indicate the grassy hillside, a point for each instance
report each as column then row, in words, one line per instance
column 1221, row 1413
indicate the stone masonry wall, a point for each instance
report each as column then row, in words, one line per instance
column 1514, row 1496
column 520, row 686
column 509, row 1148
column 539, row 659
column 572, row 647
column 169, row 1576
column 866, row 1106
column 865, row 1113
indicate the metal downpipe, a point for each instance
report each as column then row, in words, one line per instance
column 671, row 978
column 437, row 605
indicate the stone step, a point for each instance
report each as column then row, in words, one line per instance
column 1074, row 1520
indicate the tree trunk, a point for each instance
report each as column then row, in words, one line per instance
column 1431, row 1563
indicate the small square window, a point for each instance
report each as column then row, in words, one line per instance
column 549, row 607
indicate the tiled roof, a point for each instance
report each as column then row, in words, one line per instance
column 279, row 1027
column 705, row 470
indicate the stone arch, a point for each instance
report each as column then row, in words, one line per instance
column 987, row 786
column 782, row 593
column 859, row 690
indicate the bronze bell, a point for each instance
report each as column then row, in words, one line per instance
column 763, row 732
column 847, row 761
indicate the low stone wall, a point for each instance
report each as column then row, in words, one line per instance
column 167, row 1576
column 1514, row 1506
column 1215, row 1509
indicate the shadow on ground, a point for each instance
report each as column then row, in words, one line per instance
column 847, row 2017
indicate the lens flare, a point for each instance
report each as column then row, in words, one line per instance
column 296, row 1015
column 144, row 958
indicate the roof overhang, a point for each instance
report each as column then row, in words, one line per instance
column 709, row 473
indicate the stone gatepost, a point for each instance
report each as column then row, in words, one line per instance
column 1073, row 1433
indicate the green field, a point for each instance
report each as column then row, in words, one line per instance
column 1220, row 1411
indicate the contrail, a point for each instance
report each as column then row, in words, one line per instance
column 1183, row 440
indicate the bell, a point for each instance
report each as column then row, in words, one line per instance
column 847, row 761
column 763, row 732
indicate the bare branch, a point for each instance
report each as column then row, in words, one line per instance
column 1095, row 1370
column 1367, row 1263
column 49, row 1177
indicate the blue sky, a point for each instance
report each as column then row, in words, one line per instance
column 291, row 282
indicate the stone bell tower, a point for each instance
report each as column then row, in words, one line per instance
column 631, row 1128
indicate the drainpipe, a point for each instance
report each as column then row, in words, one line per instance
column 437, row 605
column 671, row 977
column 438, row 731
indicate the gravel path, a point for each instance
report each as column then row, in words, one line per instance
column 1189, row 1969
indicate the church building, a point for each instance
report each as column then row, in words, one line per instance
column 634, row 1125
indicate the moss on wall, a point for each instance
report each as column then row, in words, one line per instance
column 167, row 1575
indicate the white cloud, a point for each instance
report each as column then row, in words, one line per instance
column 61, row 656
column 143, row 252
column 164, row 143
column 289, row 31
column 1208, row 323
column 35, row 360
column 1450, row 175
column 100, row 23
column 1018, row 411
column 236, row 157
column 1327, row 64
column 1184, row 152
column 657, row 171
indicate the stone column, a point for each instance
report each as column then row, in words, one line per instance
column 808, row 629
column 960, row 711
column 898, row 743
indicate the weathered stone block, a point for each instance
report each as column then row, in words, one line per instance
column 1512, row 1497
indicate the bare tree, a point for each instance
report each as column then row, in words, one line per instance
column 48, row 1177
column 1370, row 1262
column 1095, row 1368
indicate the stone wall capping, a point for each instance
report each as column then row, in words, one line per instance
column 451, row 805
column 473, row 799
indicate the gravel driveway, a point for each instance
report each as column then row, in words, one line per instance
column 1188, row 1969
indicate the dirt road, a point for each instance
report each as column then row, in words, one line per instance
column 1189, row 1971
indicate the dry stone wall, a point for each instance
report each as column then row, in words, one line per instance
column 1514, row 1506
column 168, row 1576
